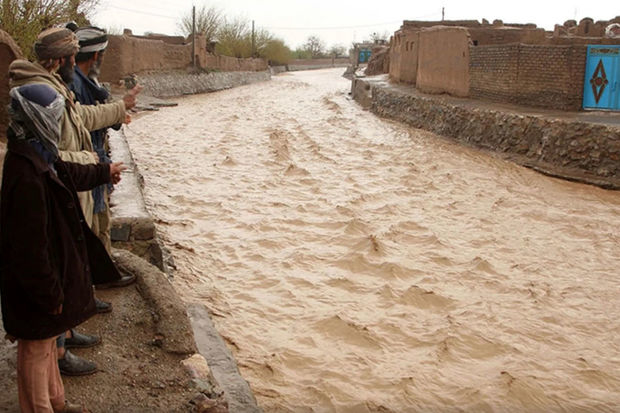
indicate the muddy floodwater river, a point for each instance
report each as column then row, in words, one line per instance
column 354, row 264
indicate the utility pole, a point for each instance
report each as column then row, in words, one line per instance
column 443, row 13
column 253, row 41
column 194, row 36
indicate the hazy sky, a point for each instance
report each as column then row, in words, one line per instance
column 344, row 21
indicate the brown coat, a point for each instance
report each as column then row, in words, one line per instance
column 48, row 254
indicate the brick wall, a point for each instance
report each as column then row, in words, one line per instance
column 504, row 35
column 551, row 76
column 533, row 75
column 493, row 72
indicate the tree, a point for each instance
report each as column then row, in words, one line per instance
column 301, row 53
column 382, row 36
column 232, row 38
column 276, row 52
column 208, row 22
column 315, row 47
column 25, row 19
column 262, row 38
column 337, row 50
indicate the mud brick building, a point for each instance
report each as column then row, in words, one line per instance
column 512, row 63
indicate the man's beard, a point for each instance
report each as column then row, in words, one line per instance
column 95, row 69
column 66, row 71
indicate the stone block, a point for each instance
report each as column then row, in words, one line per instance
column 197, row 367
column 120, row 231
column 143, row 230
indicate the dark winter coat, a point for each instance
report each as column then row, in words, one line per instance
column 48, row 255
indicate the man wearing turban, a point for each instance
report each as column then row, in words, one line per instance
column 88, row 91
column 55, row 49
column 48, row 252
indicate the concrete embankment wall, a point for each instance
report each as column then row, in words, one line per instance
column 570, row 149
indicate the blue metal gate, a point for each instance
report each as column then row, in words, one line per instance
column 364, row 56
column 601, row 88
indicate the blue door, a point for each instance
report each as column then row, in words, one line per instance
column 601, row 88
column 364, row 56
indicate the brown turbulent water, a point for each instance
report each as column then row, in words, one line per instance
column 354, row 264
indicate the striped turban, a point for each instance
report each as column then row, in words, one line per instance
column 92, row 39
column 55, row 43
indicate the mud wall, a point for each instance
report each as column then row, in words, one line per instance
column 534, row 75
column 127, row 54
column 504, row 35
column 9, row 51
column 404, row 56
column 395, row 56
column 232, row 64
column 443, row 61
column 379, row 62
column 130, row 54
column 580, row 151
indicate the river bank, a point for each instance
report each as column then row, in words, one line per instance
column 577, row 146
column 147, row 360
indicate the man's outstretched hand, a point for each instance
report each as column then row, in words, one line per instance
column 115, row 171
column 130, row 97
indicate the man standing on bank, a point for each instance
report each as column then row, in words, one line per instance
column 88, row 91
column 49, row 254
column 55, row 49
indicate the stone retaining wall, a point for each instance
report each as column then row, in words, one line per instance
column 275, row 70
column 311, row 64
column 570, row 149
column 177, row 84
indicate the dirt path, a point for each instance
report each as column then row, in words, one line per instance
column 138, row 372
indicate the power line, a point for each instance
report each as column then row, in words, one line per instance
column 333, row 28
column 144, row 13
column 350, row 27
column 146, row 4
